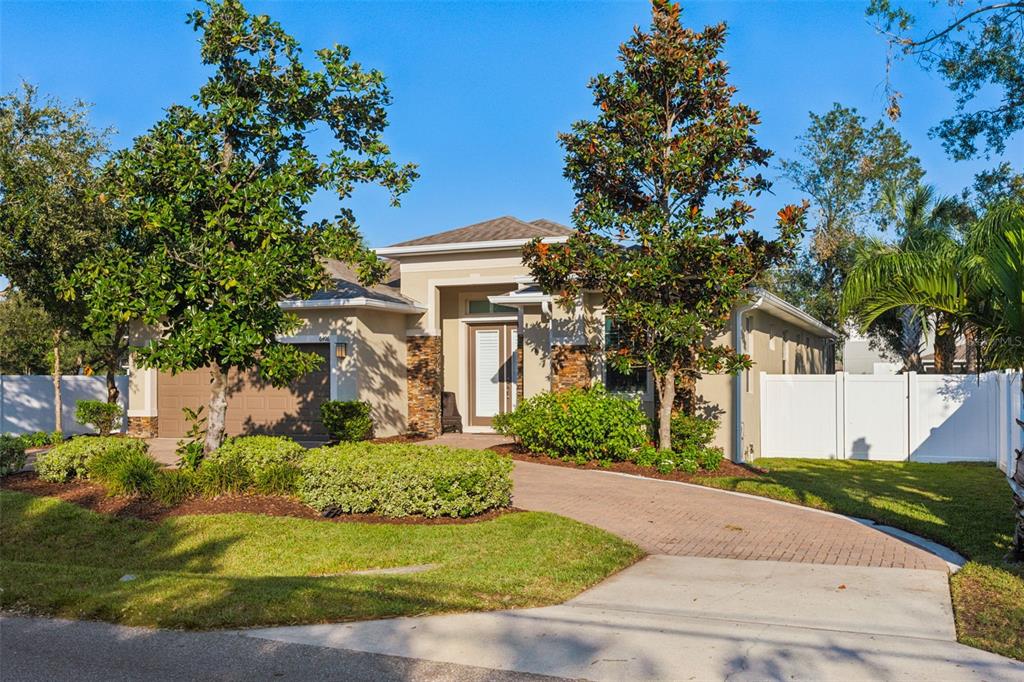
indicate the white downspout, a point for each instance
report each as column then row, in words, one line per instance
column 739, row 338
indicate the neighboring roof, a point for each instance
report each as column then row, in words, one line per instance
column 346, row 292
column 496, row 229
column 960, row 356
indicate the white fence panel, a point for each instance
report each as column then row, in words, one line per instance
column 916, row 417
column 954, row 416
column 875, row 425
column 26, row 401
column 807, row 426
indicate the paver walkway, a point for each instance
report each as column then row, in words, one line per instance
column 663, row 517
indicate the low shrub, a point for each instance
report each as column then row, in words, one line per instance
column 276, row 478
column 222, row 477
column 258, row 452
column 691, row 431
column 70, row 459
column 347, row 420
column 171, row 487
column 12, row 454
column 578, row 425
column 404, row 479
column 40, row 439
column 103, row 416
column 124, row 469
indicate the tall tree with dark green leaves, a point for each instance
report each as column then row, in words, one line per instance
column 49, row 220
column 977, row 47
column 25, row 334
column 219, row 190
column 843, row 165
column 663, row 229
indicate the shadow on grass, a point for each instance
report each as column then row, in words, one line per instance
column 245, row 570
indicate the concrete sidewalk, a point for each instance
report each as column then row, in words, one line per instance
column 674, row 617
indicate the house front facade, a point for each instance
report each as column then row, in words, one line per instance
column 460, row 315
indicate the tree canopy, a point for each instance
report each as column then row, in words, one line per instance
column 218, row 191
column 662, row 227
column 977, row 48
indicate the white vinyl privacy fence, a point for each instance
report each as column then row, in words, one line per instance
column 26, row 401
column 915, row 417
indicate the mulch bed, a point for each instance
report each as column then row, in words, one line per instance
column 94, row 497
column 727, row 468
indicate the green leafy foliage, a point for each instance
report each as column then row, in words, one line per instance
column 98, row 413
column 404, row 480
column 663, row 228
column 222, row 477
column 347, row 420
column 12, row 454
column 978, row 49
column 190, row 448
column 578, row 425
column 124, row 469
column 692, row 431
column 71, row 458
column 257, row 452
column 221, row 189
column 844, row 165
column 39, row 439
column 171, row 487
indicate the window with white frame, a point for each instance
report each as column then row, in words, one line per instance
column 481, row 306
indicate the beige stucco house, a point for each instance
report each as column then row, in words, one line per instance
column 461, row 314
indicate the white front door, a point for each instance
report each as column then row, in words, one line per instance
column 492, row 372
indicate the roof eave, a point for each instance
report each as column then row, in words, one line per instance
column 354, row 302
column 794, row 314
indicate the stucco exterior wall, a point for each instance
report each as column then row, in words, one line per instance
column 536, row 352
column 374, row 367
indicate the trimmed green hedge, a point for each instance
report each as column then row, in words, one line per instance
column 71, row 459
column 405, row 480
column 347, row 420
column 99, row 413
column 579, row 425
column 124, row 470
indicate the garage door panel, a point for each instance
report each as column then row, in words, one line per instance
column 254, row 406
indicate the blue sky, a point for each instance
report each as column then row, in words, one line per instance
column 480, row 89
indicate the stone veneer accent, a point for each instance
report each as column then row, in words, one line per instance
column 423, row 377
column 571, row 366
column 143, row 427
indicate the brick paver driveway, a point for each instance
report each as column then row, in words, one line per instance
column 668, row 518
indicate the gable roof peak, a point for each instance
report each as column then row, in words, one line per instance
column 496, row 229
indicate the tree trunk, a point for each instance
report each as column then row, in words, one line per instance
column 971, row 349
column 58, row 402
column 945, row 346
column 218, row 407
column 666, row 398
column 112, row 393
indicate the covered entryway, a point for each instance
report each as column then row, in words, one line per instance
column 254, row 407
column 492, row 371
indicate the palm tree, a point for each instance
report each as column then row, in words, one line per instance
column 977, row 282
column 875, row 290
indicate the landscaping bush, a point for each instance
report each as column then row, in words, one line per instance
column 578, row 425
column 258, row 452
column 71, row 458
column 404, row 479
column 12, row 454
column 690, row 431
column 347, row 420
column 100, row 414
column 40, row 439
column 171, row 487
column 124, row 469
column 222, row 477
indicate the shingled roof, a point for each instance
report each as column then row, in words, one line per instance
column 497, row 229
column 345, row 285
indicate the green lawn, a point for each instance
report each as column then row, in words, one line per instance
column 964, row 506
column 243, row 570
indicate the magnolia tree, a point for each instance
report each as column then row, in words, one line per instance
column 218, row 192
column 662, row 227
